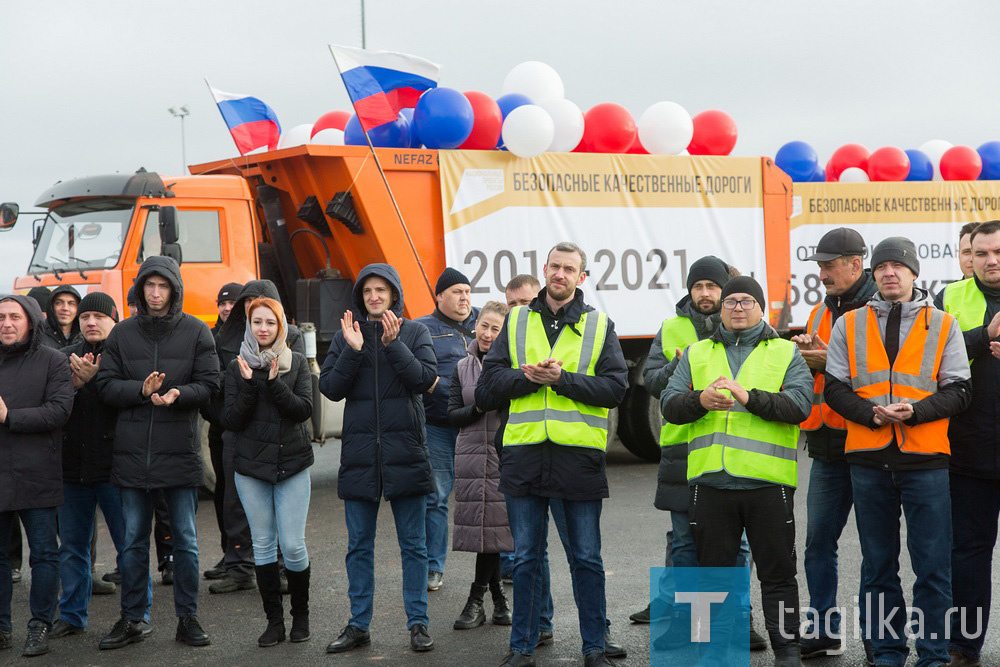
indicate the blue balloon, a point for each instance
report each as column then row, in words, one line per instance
column 990, row 154
column 443, row 118
column 386, row 135
column 798, row 160
column 819, row 176
column 921, row 168
column 414, row 137
column 508, row 103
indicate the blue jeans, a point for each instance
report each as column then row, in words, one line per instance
column 828, row 505
column 924, row 498
column 361, row 517
column 40, row 528
column 137, row 510
column 441, row 444
column 529, row 525
column 277, row 512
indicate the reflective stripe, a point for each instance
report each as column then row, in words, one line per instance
column 818, row 318
column 589, row 338
column 521, row 337
column 532, row 416
column 744, row 444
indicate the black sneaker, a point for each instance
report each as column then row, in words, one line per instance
column 101, row 587
column 123, row 633
column 544, row 637
column 62, row 628
column 167, row 575
column 113, row 577
column 613, row 649
column 229, row 585
column 817, row 647
column 420, row 641
column 641, row 616
column 217, row 572
column 145, row 627
column 189, row 631
column 37, row 642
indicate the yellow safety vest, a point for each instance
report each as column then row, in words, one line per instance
column 676, row 332
column 741, row 443
column 965, row 302
column 545, row 415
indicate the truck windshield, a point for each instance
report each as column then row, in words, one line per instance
column 85, row 234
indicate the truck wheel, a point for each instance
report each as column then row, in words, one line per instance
column 208, row 482
column 639, row 424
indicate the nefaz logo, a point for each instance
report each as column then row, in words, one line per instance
column 415, row 158
column 700, row 616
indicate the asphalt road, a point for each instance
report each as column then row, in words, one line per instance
column 633, row 540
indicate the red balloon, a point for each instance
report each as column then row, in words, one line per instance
column 608, row 128
column 888, row 164
column 827, row 171
column 961, row 163
column 487, row 124
column 714, row 133
column 582, row 146
column 848, row 155
column 637, row 147
column 331, row 119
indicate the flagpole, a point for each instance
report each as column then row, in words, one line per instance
column 212, row 93
column 392, row 197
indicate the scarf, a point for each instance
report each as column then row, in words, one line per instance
column 257, row 358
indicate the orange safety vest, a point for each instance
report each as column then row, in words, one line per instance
column 914, row 376
column 821, row 323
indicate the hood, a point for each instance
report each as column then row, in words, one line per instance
column 167, row 268
column 703, row 324
column 35, row 317
column 233, row 329
column 50, row 315
column 921, row 299
column 382, row 271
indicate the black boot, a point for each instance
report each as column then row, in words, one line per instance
column 298, row 593
column 473, row 615
column 501, row 610
column 269, row 583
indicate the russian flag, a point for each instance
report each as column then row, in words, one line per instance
column 380, row 83
column 252, row 123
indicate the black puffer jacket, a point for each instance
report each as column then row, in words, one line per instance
column 272, row 440
column 54, row 336
column 157, row 446
column 89, row 437
column 384, row 448
column 36, row 386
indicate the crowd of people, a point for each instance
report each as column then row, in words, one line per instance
column 506, row 407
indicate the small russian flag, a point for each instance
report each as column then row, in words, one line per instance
column 380, row 83
column 252, row 123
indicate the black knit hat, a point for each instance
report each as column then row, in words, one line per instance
column 450, row 277
column 99, row 302
column 130, row 298
column 708, row 268
column 897, row 249
column 229, row 292
column 745, row 285
column 42, row 295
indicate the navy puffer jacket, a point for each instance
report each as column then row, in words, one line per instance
column 383, row 451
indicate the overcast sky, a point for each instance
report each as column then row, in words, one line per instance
column 86, row 85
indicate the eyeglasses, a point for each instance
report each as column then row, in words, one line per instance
column 745, row 304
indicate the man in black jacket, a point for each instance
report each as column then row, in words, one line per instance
column 36, row 397
column 158, row 368
column 61, row 327
column 382, row 364
column 559, row 363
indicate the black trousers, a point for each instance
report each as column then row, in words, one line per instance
column 718, row 519
column 215, row 447
column 238, row 561
column 163, row 533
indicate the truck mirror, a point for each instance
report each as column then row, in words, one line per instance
column 172, row 250
column 36, row 231
column 8, row 215
column 168, row 225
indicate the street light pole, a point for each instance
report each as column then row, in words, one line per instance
column 183, row 111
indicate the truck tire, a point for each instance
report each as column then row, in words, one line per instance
column 639, row 424
column 208, row 472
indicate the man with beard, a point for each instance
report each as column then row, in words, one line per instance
column 559, row 364
column 61, row 327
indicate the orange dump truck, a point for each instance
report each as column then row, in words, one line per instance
column 311, row 217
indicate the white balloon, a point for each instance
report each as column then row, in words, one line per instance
column 934, row 149
column 528, row 130
column 568, row 122
column 296, row 136
column 536, row 80
column 665, row 128
column 331, row 136
column 854, row 175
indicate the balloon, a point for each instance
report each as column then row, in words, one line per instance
column 488, row 122
column 848, row 155
column 921, row 168
column 443, row 118
column 828, row 173
column 665, row 128
column 961, row 163
column 407, row 113
column 637, row 147
column 990, row 155
column 608, row 128
column 798, row 160
column 568, row 121
column 934, row 149
column 854, row 175
column 528, row 130
column 888, row 164
column 508, row 103
column 714, row 134
column 298, row 135
column 535, row 80
column 818, row 177
column 386, row 135
column 331, row 136
column 335, row 119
